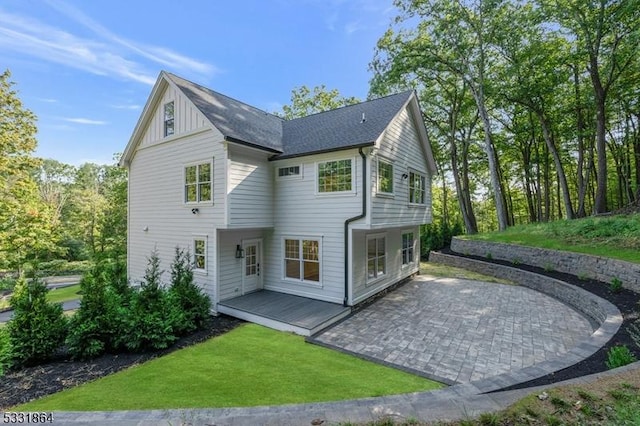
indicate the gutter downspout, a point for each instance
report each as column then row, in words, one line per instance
column 346, row 227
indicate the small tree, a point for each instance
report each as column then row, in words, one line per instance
column 6, row 353
column 186, row 295
column 38, row 327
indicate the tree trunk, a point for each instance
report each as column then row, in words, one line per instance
column 562, row 178
column 462, row 188
column 580, row 124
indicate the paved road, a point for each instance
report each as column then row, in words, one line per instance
column 67, row 306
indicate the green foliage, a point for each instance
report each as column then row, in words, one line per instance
column 436, row 236
column 305, row 101
column 186, row 295
column 619, row 356
column 152, row 316
column 98, row 324
column 38, row 327
column 6, row 354
column 616, row 285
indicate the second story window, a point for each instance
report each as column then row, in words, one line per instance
column 168, row 119
column 417, row 185
column 335, row 176
column 198, row 183
column 385, row 177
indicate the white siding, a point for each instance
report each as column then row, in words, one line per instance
column 395, row 270
column 401, row 147
column 187, row 118
column 250, row 189
column 156, row 203
column 230, row 269
column 300, row 212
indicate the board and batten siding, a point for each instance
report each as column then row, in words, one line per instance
column 395, row 270
column 250, row 189
column 158, row 216
column 301, row 212
column 400, row 147
column 187, row 118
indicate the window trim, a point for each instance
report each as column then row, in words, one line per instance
column 197, row 164
column 300, row 239
column 413, row 247
column 378, row 190
column 377, row 277
column 290, row 177
column 166, row 121
column 205, row 239
column 334, row 193
column 423, row 190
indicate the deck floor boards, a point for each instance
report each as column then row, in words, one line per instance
column 295, row 310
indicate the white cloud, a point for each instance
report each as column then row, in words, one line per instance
column 127, row 106
column 80, row 120
column 47, row 100
column 105, row 54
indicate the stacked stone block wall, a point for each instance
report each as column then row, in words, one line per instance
column 582, row 265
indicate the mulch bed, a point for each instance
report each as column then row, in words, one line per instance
column 625, row 300
column 24, row 385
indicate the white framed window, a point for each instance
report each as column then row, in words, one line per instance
column 302, row 259
column 169, row 119
column 290, row 172
column 335, row 176
column 198, row 183
column 417, row 187
column 200, row 254
column 376, row 256
column 408, row 248
column 385, row 177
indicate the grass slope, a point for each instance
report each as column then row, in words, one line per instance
column 617, row 237
column 248, row 366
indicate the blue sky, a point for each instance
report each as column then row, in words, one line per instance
column 86, row 68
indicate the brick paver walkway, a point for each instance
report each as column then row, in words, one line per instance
column 460, row 330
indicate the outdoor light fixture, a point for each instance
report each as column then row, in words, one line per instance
column 239, row 252
column 404, row 176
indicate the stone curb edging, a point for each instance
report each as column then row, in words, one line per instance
column 603, row 269
column 604, row 313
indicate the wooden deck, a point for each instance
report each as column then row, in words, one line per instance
column 284, row 312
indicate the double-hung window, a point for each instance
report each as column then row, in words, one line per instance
column 168, row 119
column 302, row 260
column 335, row 176
column 385, row 177
column 198, row 183
column 408, row 244
column 417, row 186
column 376, row 256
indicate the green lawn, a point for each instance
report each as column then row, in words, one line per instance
column 248, row 366
column 610, row 236
column 64, row 294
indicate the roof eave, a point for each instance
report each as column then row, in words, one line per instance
column 251, row 145
column 322, row 151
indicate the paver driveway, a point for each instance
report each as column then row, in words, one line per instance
column 460, row 330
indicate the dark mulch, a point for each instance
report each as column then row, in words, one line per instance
column 625, row 300
column 20, row 386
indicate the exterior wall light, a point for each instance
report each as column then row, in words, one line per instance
column 239, row 252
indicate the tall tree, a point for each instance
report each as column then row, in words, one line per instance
column 607, row 33
column 455, row 36
column 305, row 101
column 25, row 222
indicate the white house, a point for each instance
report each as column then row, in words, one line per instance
column 289, row 222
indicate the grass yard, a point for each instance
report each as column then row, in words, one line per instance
column 248, row 366
column 610, row 236
column 64, row 294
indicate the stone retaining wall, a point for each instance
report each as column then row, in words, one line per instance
column 582, row 265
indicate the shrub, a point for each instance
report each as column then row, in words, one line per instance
column 38, row 327
column 5, row 351
column 97, row 325
column 152, row 317
column 615, row 286
column 619, row 356
column 186, row 295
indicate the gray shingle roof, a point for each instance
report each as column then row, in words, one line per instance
column 236, row 120
column 333, row 130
